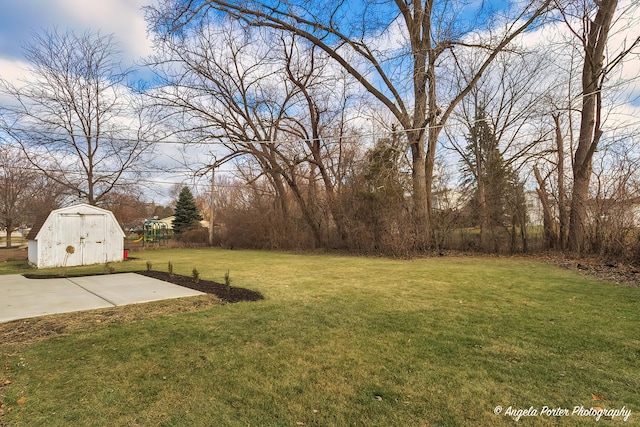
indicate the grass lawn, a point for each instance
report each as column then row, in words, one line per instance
column 345, row 341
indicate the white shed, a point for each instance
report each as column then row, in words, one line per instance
column 77, row 235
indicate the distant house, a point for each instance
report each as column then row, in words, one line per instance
column 77, row 235
column 169, row 221
column 534, row 208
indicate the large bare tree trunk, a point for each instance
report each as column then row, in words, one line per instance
column 550, row 224
column 416, row 21
column 579, row 201
column 563, row 217
column 420, row 191
column 594, row 44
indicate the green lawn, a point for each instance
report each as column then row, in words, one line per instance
column 345, row 341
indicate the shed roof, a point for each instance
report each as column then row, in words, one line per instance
column 35, row 229
column 41, row 219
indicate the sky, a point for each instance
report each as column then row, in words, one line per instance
column 20, row 19
column 124, row 19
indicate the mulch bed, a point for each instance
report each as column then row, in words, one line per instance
column 611, row 271
column 228, row 294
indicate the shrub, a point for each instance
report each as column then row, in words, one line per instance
column 227, row 279
column 109, row 268
column 194, row 236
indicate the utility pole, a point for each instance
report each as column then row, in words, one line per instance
column 212, row 199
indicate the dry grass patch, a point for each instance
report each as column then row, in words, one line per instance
column 35, row 329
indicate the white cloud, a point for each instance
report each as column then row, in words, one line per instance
column 12, row 69
column 622, row 89
column 123, row 18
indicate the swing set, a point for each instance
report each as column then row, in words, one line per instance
column 154, row 232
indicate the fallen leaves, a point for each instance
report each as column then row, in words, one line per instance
column 597, row 397
column 4, row 408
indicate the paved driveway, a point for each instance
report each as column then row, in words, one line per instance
column 21, row 297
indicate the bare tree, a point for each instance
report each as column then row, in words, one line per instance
column 591, row 25
column 601, row 36
column 266, row 98
column 17, row 189
column 553, row 194
column 73, row 115
column 219, row 85
column 363, row 42
column 321, row 128
column 499, row 120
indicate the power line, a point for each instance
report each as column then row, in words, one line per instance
column 327, row 139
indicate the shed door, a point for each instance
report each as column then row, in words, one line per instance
column 68, row 250
column 93, row 238
column 86, row 234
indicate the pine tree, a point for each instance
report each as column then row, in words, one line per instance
column 381, row 197
column 497, row 193
column 186, row 213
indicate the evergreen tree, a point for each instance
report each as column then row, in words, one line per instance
column 380, row 201
column 186, row 213
column 497, row 200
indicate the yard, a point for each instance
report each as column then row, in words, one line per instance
column 341, row 341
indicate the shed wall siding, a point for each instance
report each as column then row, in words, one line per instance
column 32, row 252
column 79, row 235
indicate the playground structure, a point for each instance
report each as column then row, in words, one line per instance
column 154, row 232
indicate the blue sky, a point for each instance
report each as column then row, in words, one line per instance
column 20, row 18
column 123, row 18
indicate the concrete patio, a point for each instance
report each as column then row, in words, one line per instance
column 22, row 298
